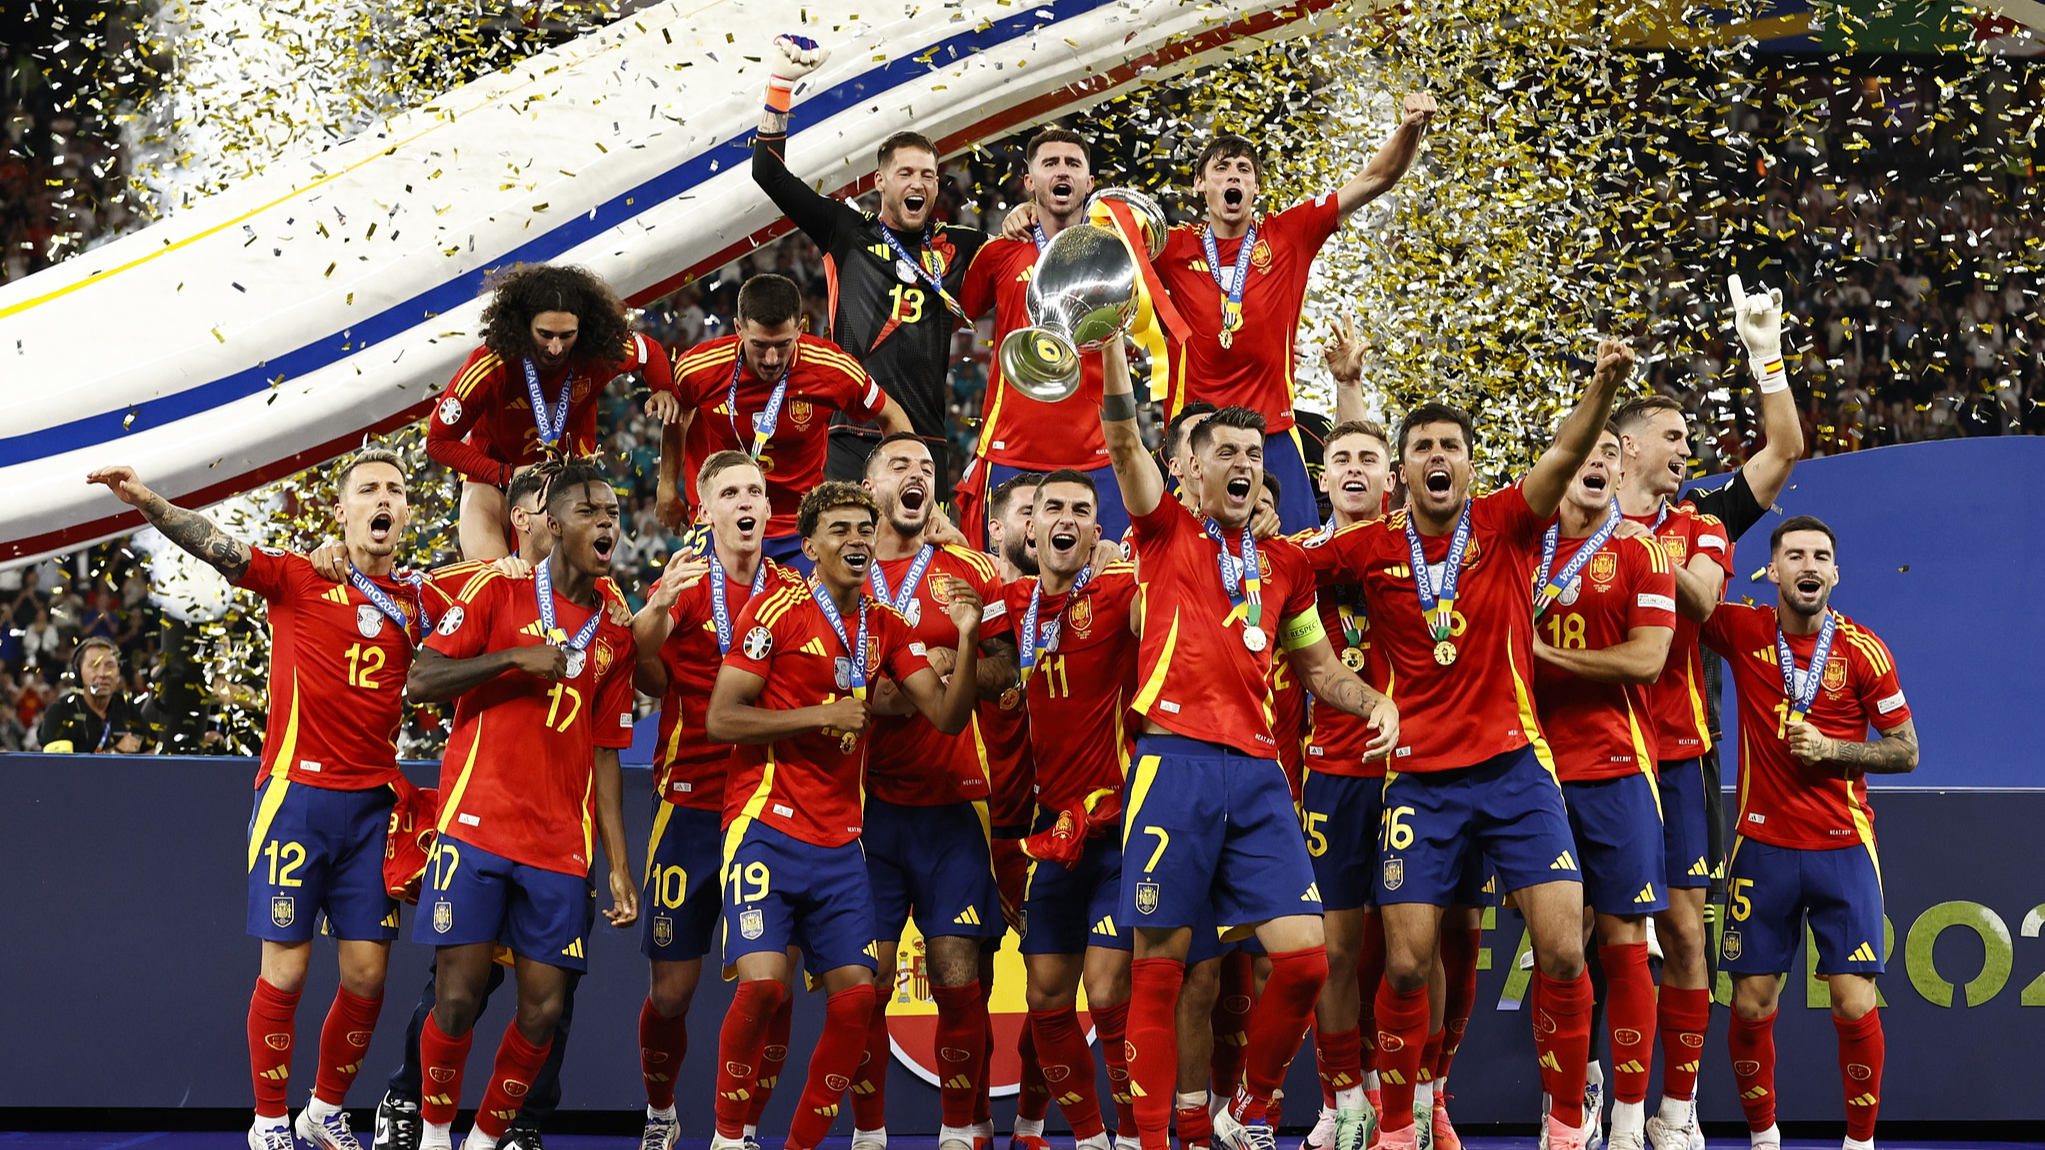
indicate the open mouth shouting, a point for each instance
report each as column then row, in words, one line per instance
column 914, row 496
column 1063, row 542
column 1061, row 191
column 603, row 545
column 1595, row 483
column 1233, row 197
column 913, row 204
column 856, row 557
column 1437, row 482
column 380, row 526
column 1239, row 489
column 746, row 524
column 1809, row 585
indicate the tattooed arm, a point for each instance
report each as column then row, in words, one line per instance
column 188, row 529
column 1335, row 685
column 1895, row 753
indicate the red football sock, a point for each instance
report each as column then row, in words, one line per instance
column 1562, row 1039
column 1402, row 1038
column 1153, row 1045
column 1370, row 970
column 1277, row 1025
column 1629, row 1018
column 773, row 1057
column 1861, row 1050
column 343, row 1040
column 1430, row 1055
column 518, row 1063
column 870, row 1085
column 1033, row 1097
column 1068, row 1068
column 1339, row 1059
column 832, row 1064
column 1233, row 1002
column 1195, row 1124
column 740, row 1043
column 1683, row 1016
column 662, row 1043
column 272, row 1015
column 961, row 1040
column 1752, row 1045
column 1459, row 961
column 440, row 1070
column 1111, row 1024
column 983, row 1095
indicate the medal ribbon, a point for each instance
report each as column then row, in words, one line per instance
column 765, row 422
column 1043, row 241
column 720, row 614
column 1244, row 589
column 1035, row 646
column 543, row 589
column 1546, row 589
column 837, row 622
column 1439, row 607
column 550, row 429
column 1352, row 631
column 385, row 603
column 900, row 600
column 1232, row 305
column 928, row 267
column 1801, row 687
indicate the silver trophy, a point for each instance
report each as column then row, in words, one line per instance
column 1082, row 294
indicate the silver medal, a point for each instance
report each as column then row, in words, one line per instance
column 576, row 658
column 1253, row 638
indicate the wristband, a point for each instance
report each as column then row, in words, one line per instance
column 1769, row 374
column 780, row 94
column 1118, row 406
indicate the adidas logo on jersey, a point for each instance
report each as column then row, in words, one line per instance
column 1863, row 953
column 1563, row 861
column 969, row 917
column 815, row 647
column 1698, row 869
column 338, row 595
column 1646, row 894
column 573, row 949
column 1313, row 893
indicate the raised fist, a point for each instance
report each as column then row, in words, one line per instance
column 797, row 56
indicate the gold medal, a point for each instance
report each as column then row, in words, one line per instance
column 1445, row 652
column 1352, row 658
column 846, row 742
column 1228, row 338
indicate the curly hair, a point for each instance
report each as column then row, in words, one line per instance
column 522, row 291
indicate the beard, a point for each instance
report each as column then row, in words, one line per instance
column 1017, row 552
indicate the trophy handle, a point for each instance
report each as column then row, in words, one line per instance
column 1040, row 363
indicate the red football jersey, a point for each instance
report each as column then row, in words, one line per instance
column 913, row 763
column 1482, row 705
column 1198, row 679
column 689, row 769
column 1289, row 723
column 821, row 379
column 1784, row 801
column 1079, row 694
column 518, row 776
column 1338, row 740
column 1602, row 730
column 483, row 425
column 337, row 672
column 808, row 787
column 1015, row 430
column 1682, row 727
column 1003, row 725
column 1255, row 371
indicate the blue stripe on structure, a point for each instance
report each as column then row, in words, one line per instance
column 107, row 426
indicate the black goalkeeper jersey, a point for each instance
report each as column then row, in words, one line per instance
column 882, row 311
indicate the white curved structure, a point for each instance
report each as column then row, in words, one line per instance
column 270, row 327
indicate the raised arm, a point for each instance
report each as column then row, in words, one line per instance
column 1344, row 354
column 668, row 505
column 1142, row 487
column 1393, row 158
column 438, row 678
column 1549, row 477
column 1337, row 686
column 792, row 58
column 610, row 829
column 655, row 621
column 1758, row 318
column 190, row 530
column 1894, row 753
column 1637, row 659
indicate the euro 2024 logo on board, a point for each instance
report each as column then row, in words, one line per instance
column 912, row 1015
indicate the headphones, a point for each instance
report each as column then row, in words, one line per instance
column 95, row 642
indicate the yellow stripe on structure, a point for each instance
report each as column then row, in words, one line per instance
column 452, row 805
column 1156, row 683
column 280, row 778
column 1146, row 774
column 660, row 820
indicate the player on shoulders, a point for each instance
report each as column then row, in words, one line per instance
column 1447, row 582
column 538, row 664
column 1019, row 434
column 1698, row 532
column 338, row 658
column 926, row 841
column 794, row 694
column 1604, row 614
column 895, row 274
column 1207, row 808
column 682, row 635
column 553, row 338
column 1811, row 682
column 1240, row 277
column 768, row 391
column 1078, row 646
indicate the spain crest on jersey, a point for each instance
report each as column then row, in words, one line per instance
column 752, row 923
column 1604, row 567
column 1835, row 674
column 1080, row 617
column 663, row 931
column 1260, row 256
column 801, row 412
column 938, row 586
column 443, row 916
column 1146, row 897
column 283, row 910
column 1677, row 547
column 604, row 657
column 1729, row 946
column 1395, row 874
